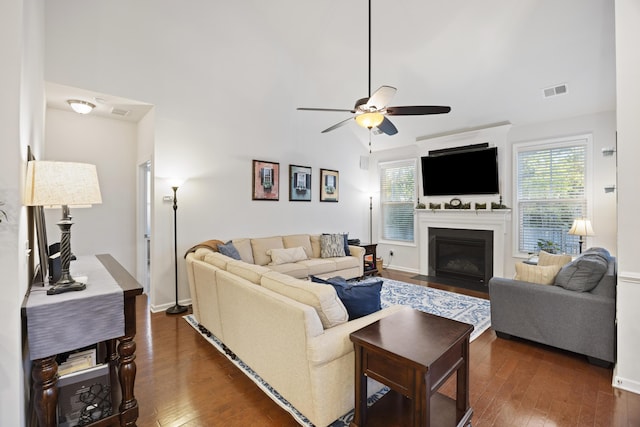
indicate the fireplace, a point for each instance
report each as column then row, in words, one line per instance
column 462, row 255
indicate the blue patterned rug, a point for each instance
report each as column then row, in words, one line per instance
column 463, row 308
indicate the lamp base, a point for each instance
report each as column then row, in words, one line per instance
column 177, row 309
column 60, row 288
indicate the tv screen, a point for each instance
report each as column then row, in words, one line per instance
column 452, row 173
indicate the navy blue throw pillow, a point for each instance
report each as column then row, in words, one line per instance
column 229, row 250
column 347, row 252
column 359, row 299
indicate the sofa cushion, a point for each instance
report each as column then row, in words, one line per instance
column 342, row 263
column 359, row 298
column 251, row 272
column 218, row 259
column 542, row 274
column 229, row 250
column 315, row 245
column 260, row 247
column 296, row 240
column 322, row 298
column 583, row 273
column 294, row 269
column 331, row 245
column 244, row 249
column 319, row 265
column 286, row 256
column 545, row 258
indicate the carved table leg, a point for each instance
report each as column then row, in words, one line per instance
column 127, row 375
column 45, row 378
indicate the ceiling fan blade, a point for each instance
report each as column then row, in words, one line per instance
column 381, row 97
column 417, row 110
column 337, row 125
column 387, row 127
column 326, row 109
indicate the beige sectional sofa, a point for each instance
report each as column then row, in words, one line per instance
column 258, row 251
column 292, row 332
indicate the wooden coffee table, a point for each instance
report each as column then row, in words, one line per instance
column 413, row 353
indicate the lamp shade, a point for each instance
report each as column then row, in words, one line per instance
column 61, row 183
column 369, row 120
column 581, row 227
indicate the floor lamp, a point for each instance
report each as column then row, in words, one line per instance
column 177, row 308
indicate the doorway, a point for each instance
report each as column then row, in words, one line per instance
column 144, row 235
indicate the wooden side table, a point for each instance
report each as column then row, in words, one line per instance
column 122, row 356
column 413, row 353
column 370, row 249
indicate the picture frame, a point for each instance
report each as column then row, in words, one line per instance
column 299, row 183
column 40, row 274
column 329, row 185
column 265, row 180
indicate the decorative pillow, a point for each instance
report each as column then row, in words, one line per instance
column 244, row 249
column 285, row 256
column 360, row 298
column 542, row 274
column 347, row 252
column 229, row 250
column 331, row 245
column 545, row 258
column 584, row 273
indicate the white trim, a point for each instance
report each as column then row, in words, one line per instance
column 496, row 221
column 625, row 383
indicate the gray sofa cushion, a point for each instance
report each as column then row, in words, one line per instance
column 585, row 272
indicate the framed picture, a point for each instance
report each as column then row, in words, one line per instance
column 329, row 185
column 40, row 273
column 299, row 183
column 266, row 180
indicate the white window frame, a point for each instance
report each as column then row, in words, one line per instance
column 583, row 139
column 390, row 164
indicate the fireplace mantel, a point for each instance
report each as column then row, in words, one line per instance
column 495, row 220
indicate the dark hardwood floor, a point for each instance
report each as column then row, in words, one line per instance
column 183, row 381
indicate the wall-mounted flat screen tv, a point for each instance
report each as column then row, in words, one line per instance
column 467, row 170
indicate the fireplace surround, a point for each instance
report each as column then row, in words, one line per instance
column 494, row 222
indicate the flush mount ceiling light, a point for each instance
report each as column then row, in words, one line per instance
column 81, row 107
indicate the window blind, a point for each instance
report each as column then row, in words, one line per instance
column 397, row 199
column 550, row 195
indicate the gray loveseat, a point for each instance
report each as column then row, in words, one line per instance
column 575, row 313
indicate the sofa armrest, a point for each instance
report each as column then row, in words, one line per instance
column 358, row 252
column 334, row 342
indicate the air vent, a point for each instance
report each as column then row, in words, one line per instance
column 120, row 112
column 555, row 90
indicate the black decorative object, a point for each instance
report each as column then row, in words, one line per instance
column 177, row 308
column 434, row 206
column 481, row 206
column 97, row 402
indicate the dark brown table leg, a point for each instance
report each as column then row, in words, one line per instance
column 45, row 385
column 360, row 410
column 462, row 383
column 127, row 376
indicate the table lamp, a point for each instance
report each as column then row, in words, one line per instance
column 581, row 227
column 62, row 184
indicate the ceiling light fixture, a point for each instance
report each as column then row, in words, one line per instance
column 370, row 120
column 81, row 107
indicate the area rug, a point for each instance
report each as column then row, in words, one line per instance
column 463, row 308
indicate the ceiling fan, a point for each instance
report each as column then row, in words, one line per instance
column 372, row 112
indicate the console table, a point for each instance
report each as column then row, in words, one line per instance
column 413, row 353
column 100, row 271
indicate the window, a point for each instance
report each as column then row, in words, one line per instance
column 397, row 199
column 551, row 192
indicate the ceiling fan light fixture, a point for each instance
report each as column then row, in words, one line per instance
column 369, row 120
column 81, row 107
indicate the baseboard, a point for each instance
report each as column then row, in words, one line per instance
column 625, row 383
column 399, row 268
column 164, row 307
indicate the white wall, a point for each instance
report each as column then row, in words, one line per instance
column 21, row 124
column 627, row 374
column 211, row 60
column 601, row 126
column 110, row 145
